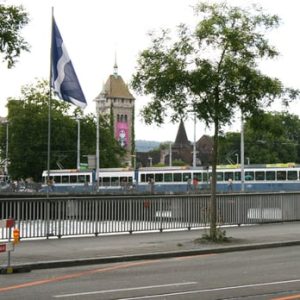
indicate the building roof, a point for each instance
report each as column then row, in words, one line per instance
column 115, row 87
column 181, row 138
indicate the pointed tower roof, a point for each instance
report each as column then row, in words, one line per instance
column 115, row 87
column 181, row 138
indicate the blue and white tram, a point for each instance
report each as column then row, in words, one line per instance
column 276, row 177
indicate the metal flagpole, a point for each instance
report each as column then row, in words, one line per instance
column 49, row 131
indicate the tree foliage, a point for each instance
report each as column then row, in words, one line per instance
column 12, row 20
column 212, row 70
column 269, row 138
column 28, row 135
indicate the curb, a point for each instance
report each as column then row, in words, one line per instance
column 147, row 256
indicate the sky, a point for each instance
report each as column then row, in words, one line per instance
column 97, row 31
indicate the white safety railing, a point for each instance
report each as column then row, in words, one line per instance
column 94, row 215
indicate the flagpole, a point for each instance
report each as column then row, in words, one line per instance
column 49, row 109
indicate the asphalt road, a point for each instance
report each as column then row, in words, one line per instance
column 257, row 274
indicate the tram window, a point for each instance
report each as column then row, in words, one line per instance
column 158, row 177
column 237, row 176
column 228, row 175
column 270, row 175
column 106, row 181
column 177, row 177
column 198, row 176
column 281, row 175
column 249, row 176
column 57, row 179
column 149, row 177
column 168, row 177
column 65, row 179
column 205, row 177
column 259, row 175
column 88, row 178
column 73, row 179
column 292, row 175
column 130, row 179
column 186, row 176
column 115, row 181
column 81, row 178
column 220, row 176
column 143, row 178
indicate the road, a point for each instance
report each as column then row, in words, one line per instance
column 257, row 274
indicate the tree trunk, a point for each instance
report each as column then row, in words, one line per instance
column 213, row 199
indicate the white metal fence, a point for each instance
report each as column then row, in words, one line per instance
column 94, row 215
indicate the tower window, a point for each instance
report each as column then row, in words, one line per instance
column 125, row 118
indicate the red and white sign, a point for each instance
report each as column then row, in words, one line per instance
column 6, row 247
column 7, row 223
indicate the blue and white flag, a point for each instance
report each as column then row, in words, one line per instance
column 63, row 77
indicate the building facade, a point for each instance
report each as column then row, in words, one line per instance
column 116, row 101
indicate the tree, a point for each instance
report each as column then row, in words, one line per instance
column 272, row 138
column 12, row 20
column 269, row 138
column 28, row 134
column 212, row 71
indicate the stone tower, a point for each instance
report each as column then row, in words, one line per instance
column 116, row 100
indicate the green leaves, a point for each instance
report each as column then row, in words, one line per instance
column 28, row 134
column 12, row 20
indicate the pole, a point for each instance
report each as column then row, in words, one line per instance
column 78, row 144
column 6, row 150
column 242, row 155
column 170, row 154
column 97, row 151
column 194, row 146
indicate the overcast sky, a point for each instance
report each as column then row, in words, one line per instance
column 94, row 30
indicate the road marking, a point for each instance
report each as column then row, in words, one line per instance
column 288, row 297
column 213, row 290
column 76, row 275
column 126, row 289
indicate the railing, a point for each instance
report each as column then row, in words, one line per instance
column 94, row 215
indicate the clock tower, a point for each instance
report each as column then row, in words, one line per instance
column 116, row 101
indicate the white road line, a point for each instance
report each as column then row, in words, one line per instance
column 126, row 289
column 211, row 290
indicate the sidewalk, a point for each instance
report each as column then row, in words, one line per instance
column 75, row 251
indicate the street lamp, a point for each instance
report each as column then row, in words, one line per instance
column 150, row 161
column 6, row 151
column 78, row 143
column 194, row 146
column 170, row 154
column 237, row 158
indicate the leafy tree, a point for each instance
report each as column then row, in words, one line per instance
column 269, row 138
column 12, row 20
column 272, row 138
column 229, row 146
column 28, row 135
column 212, row 71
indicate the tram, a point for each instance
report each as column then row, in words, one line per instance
column 270, row 177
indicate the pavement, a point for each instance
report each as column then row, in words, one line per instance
column 75, row 251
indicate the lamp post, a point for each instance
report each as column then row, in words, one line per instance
column 170, row 154
column 194, row 146
column 150, row 161
column 242, row 155
column 237, row 158
column 78, row 143
column 6, row 151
